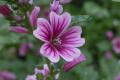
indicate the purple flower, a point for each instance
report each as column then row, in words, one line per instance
column 4, row 10
column 44, row 72
column 7, row 75
column 34, row 15
column 110, row 35
column 57, row 76
column 56, row 7
column 22, row 1
column 18, row 29
column 118, row 77
column 24, row 48
column 108, row 55
column 65, row 1
column 116, row 44
column 31, row 77
column 70, row 65
column 18, row 18
column 57, row 41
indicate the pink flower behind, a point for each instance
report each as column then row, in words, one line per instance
column 116, row 44
column 57, row 41
column 44, row 72
column 31, row 1
column 7, row 75
column 24, row 48
column 118, row 77
column 31, row 77
column 57, row 76
column 56, row 7
column 108, row 55
column 110, row 35
column 70, row 65
column 18, row 29
column 34, row 15
column 4, row 10
column 18, row 18
column 65, row 1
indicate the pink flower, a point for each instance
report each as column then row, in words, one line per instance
column 44, row 72
column 34, row 15
column 7, row 75
column 65, row 1
column 18, row 29
column 108, row 55
column 22, row 1
column 31, row 77
column 24, row 48
column 57, row 41
column 1, row 78
column 118, row 77
column 18, row 18
column 31, row 1
column 57, row 76
column 70, row 65
column 109, row 35
column 56, row 7
column 4, row 10
column 116, row 44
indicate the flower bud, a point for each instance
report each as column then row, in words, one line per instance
column 70, row 65
column 4, row 10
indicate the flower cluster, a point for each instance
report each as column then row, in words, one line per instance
column 59, row 40
column 115, row 41
column 44, row 73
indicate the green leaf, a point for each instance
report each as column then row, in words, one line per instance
column 3, row 3
column 39, row 76
column 79, row 19
column 42, row 2
column 86, row 72
column 116, row 0
column 96, row 10
column 7, row 36
column 109, row 68
column 103, row 45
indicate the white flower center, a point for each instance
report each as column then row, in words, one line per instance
column 57, row 42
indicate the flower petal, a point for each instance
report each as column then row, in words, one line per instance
column 43, row 31
column 18, row 29
column 59, row 22
column 34, row 15
column 72, row 37
column 50, row 52
column 68, row 53
column 46, row 70
column 70, row 65
column 56, row 7
column 31, row 77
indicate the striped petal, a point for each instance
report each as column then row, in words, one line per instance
column 68, row 53
column 50, row 52
column 72, row 37
column 34, row 15
column 43, row 31
column 59, row 23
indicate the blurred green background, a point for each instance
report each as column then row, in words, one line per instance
column 104, row 16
